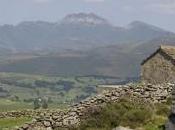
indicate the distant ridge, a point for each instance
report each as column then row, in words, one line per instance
column 77, row 31
column 140, row 24
column 79, row 44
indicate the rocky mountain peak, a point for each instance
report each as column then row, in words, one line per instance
column 84, row 18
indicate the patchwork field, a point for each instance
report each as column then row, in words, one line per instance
column 18, row 91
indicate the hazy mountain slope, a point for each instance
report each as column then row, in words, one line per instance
column 150, row 46
column 143, row 32
column 56, row 66
column 117, row 60
column 76, row 31
column 113, row 61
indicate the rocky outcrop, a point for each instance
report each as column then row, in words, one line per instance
column 78, row 112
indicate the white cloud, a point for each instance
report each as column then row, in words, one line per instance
column 88, row 1
column 150, row 6
column 165, row 7
column 94, row 1
column 42, row 1
column 128, row 8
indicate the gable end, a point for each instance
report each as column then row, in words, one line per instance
column 162, row 52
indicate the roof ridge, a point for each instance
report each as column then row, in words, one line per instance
column 167, row 46
column 166, row 49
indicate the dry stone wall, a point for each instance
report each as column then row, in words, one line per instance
column 24, row 113
column 78, row 112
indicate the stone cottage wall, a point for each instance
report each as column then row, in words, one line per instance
column 158, row 69
column 79, row 112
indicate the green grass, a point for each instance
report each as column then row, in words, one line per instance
column 7, row 105
column 128, row 114
column 156, row 123
column 9, row 123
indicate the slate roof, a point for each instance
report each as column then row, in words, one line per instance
column 168, row 50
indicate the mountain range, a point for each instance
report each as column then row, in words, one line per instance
column 79, row 44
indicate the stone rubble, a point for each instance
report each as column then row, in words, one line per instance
column 25, row 113
column 73, row 117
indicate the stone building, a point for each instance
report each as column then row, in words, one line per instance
column 160, row 66
column 170, row 125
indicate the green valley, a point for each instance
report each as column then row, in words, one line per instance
column 18, row 91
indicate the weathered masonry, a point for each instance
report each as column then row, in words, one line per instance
column 160, row 66
column 170, row 125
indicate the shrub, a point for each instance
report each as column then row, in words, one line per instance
column 162, row 109
column 36, row 104
column 169, row 101
column 136, row 118
column 125, row 112
column 44, row 104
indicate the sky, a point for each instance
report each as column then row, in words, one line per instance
column 119, row 12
